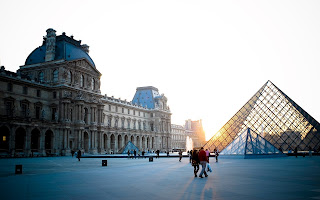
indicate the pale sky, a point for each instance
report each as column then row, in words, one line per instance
column 208, row 57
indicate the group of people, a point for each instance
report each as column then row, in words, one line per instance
column 78, row 154
column 133, row 154
column 201, row 158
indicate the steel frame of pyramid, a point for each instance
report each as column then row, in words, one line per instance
column 130, row 146
column 250, row 143
column 276, row 117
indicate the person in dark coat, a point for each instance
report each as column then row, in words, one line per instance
column 180, row 155
column 79, row 155
column 135, row 154
column 72, row 153
column 195, row 162
column 203, row 161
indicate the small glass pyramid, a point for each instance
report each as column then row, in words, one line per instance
column 130, row 146
column 276, row 117
column 250, row 143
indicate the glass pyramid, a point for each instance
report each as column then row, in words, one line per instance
column 250, row 143
column 277, row 118
column 130, row 146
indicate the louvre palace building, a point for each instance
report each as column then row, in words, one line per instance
column 53, row 105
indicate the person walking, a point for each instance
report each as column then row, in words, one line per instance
column 131, row 153
column 128, row 154
column 158, row 153
column 207, row 153
column 135, row 154
column 190, row 155
column 203, row 161
column 180, row 155
column 216, row 154
column 72, row 153
column 195, row 162
column 79, row 155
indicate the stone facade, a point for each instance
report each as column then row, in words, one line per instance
column 53, row 105
column 187, row 137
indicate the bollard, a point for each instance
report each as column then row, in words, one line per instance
column 151, row 159
column 18, row 169
column 104, row 163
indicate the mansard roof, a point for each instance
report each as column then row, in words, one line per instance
column 145, row 96
column 66, row 48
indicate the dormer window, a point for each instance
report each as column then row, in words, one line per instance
column 40, row 77
column 55, row 75
column 92, row 84
column 81, row 81
column 69, row 77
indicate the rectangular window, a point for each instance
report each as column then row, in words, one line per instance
column 53, row 113
column 9, row 108
column 25, row 90
column 116, row 108
column 38, row 109
column 54, row 95
column 9, row 88
column 139, row 113
column 134, row 112
column 24, row 110
column 38, row 93
column 122, row 110
column 109, row 107
column 128, row 111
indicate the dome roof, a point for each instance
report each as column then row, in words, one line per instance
column 66, row 48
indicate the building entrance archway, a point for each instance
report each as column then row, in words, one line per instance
column 119, row 142
column 48, row 142
column 112, row 139
column 20, row 140
column 35, row 140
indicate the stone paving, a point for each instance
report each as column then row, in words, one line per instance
column 164, row 178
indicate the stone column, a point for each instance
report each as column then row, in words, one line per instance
column 65, row 138
column 27, row 147
column 90, row 140
column 42, row 141
column 12, row 142
column 79, row 139
column 116, row 143
column 108, row 142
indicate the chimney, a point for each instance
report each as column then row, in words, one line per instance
column 85, row 48
column 50, row 45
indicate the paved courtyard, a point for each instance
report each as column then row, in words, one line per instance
column 165, row 178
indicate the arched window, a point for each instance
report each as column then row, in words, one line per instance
column 40, row 76
column 81, row 81
column 69, row 78
column 92, row 84
column 55, row 75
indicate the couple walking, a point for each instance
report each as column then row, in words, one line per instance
column 201, row 158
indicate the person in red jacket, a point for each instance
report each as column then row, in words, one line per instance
column 203, row 161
